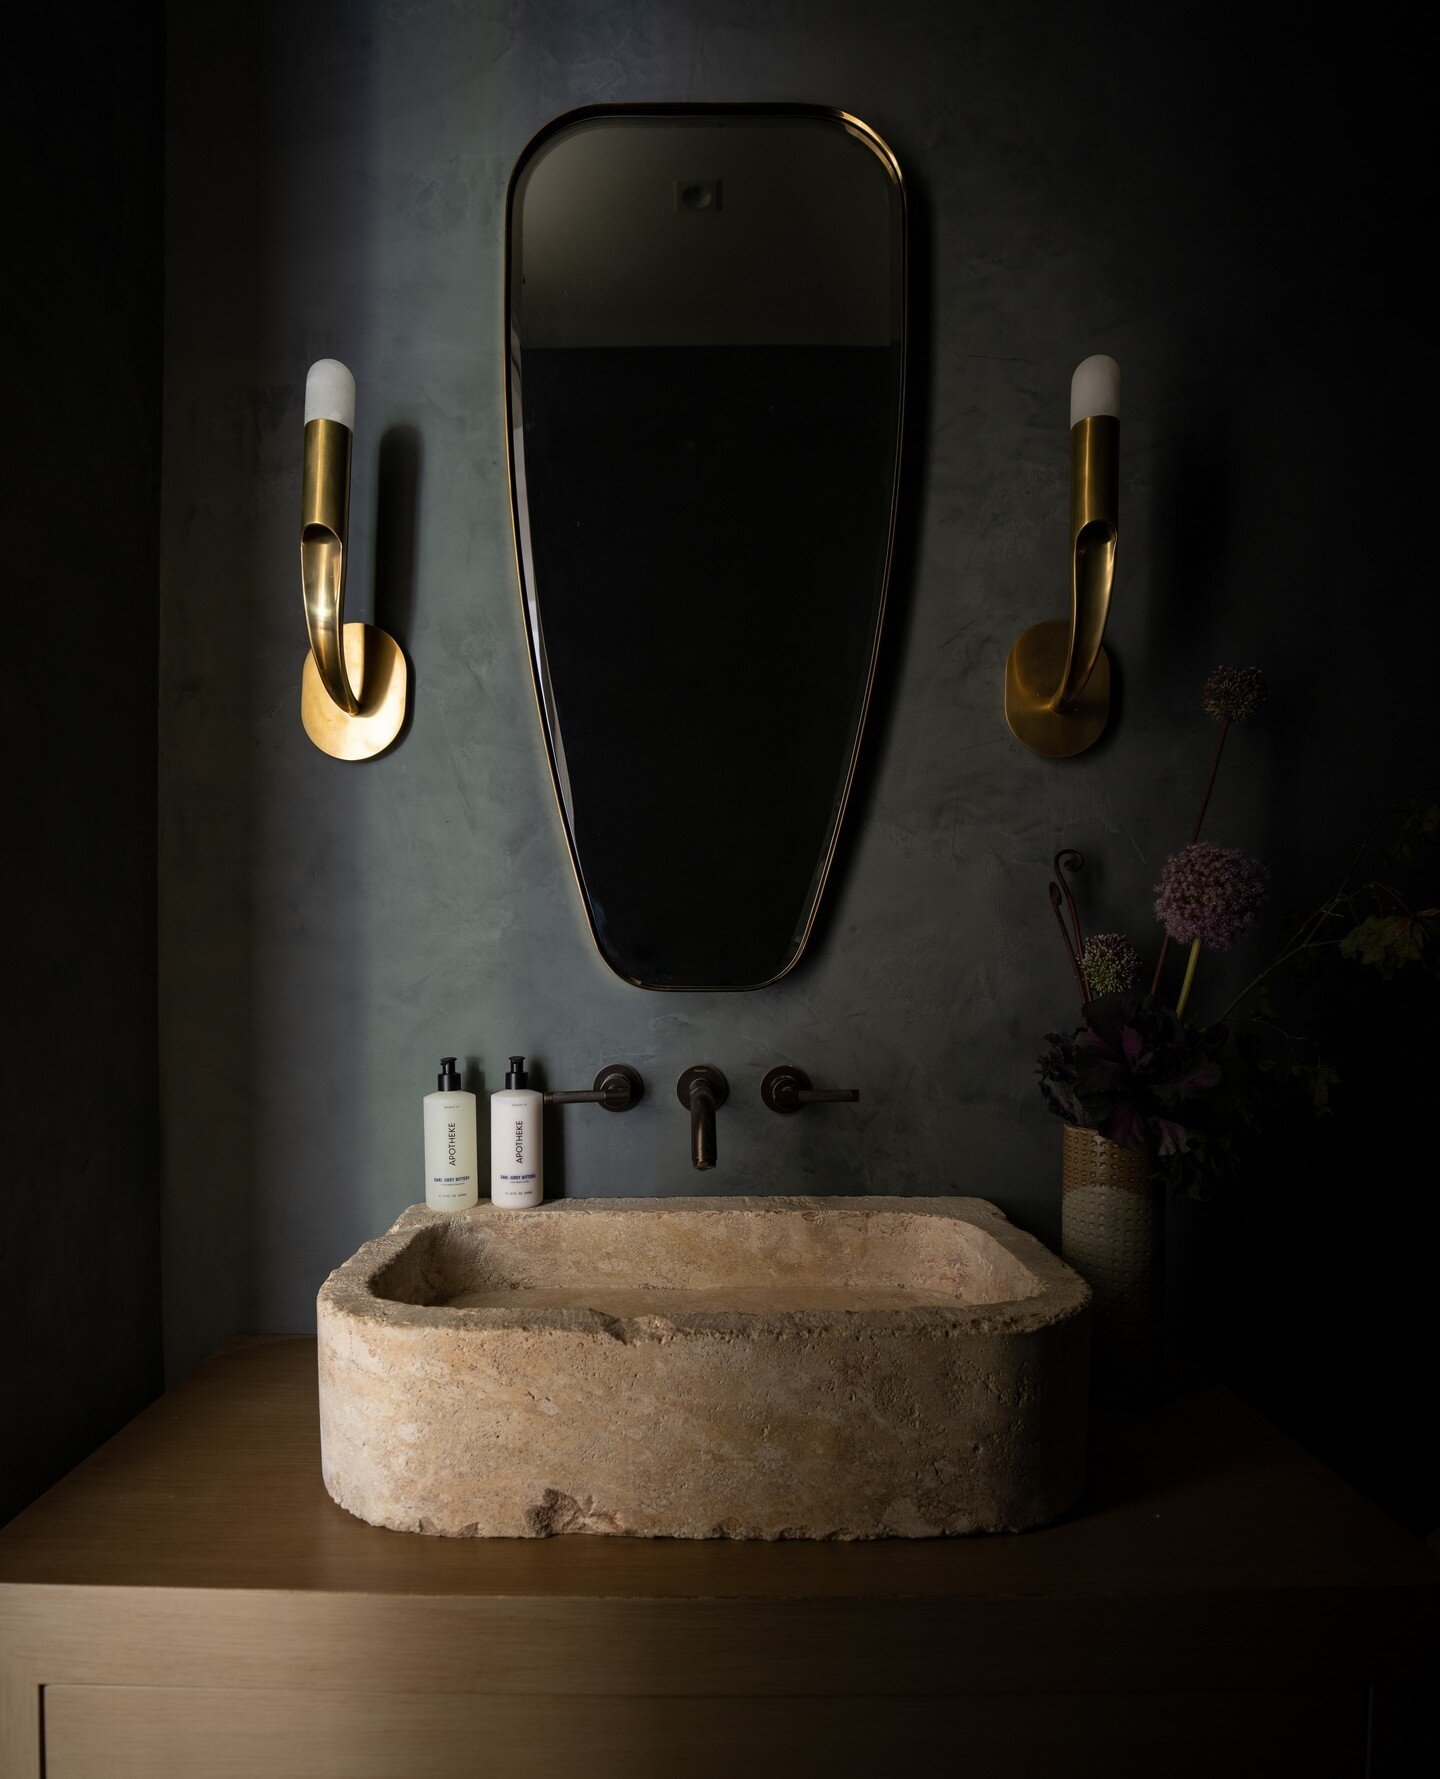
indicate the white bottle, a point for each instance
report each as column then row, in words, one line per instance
column 517, row 1167
column 452, row 1167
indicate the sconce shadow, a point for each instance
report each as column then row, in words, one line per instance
column 398, row 472
column 899, row 600
column 1115, row 721
column 1192, row 503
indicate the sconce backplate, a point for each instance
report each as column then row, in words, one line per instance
column 1036, row 666
column 378, row 673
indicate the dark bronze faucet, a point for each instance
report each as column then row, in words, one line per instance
column 703, row 1090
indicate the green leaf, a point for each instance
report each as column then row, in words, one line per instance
column 1387, row 942
column 1419, row 837
column 1324, row 1079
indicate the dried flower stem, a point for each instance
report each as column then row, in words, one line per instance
column 1160, row 965
column 1189, row 981
column 1073, row 936
column 1210, row 782
column 1194, row 836
column 1055, row 903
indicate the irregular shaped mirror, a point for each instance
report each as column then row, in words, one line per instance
column 706, row 327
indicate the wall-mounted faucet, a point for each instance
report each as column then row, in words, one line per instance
column 702, row 1090
column 788, row 1089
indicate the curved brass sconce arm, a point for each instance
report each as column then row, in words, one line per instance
column 353, row 689
column 1057, row 680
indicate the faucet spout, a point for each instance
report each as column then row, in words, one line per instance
column 702, row 1127
column 702, row 1090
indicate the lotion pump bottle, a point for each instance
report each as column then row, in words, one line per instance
column 517, row 1169
column 451, row 1165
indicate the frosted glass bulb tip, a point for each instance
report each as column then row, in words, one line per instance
column 330, row 393
column 1095, row 388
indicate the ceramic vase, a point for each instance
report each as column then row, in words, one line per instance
column 1112, row 1231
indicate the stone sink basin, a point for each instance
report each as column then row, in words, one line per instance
column 705, row 1368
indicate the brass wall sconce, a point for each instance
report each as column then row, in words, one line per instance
column 1057, row 680
column 353, row 690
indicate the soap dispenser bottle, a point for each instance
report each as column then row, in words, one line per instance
column 517, row 1171
column 451, row 1163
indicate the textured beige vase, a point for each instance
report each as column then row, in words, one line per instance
column 705, row 1368
column 1112, row 1231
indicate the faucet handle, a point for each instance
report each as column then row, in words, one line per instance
column 617, row 1088
column 788, row 1089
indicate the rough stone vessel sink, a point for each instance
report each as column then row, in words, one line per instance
column 705, row 1368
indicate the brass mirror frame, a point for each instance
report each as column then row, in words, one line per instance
column 514, row 455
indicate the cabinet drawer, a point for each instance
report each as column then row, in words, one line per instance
column 122, row 1732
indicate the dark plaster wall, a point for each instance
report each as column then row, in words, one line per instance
column 1211, row 204
column 79, row 1186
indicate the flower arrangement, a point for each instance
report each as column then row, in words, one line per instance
column 1130, row 1072
column 1135, row 1071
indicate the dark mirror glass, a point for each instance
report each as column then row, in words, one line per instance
column 706, row 321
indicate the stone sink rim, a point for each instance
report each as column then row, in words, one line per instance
column 350, row 1291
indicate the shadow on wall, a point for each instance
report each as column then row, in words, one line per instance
column 79, row 1188
column 1308, row 1288
column 398, row 469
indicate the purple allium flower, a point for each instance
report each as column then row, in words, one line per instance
column 1110, row 963
column 1209, row 892
column 1235, row 693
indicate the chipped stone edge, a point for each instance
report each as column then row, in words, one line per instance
column 350, row 1290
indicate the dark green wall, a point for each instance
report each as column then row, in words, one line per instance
column 1217, row 207
column 79, row 1185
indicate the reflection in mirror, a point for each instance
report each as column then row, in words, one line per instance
column 706, row 321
